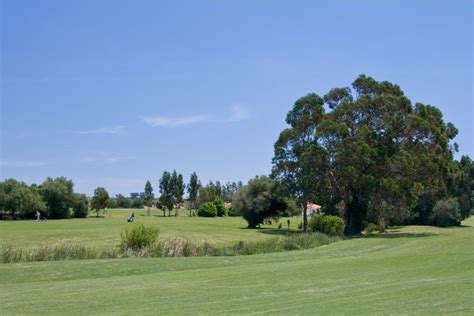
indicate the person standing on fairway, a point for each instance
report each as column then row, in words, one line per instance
column 38, row 216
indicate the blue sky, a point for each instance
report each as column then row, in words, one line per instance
column 111, row 93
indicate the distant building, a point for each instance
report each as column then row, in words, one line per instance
column 313, row 209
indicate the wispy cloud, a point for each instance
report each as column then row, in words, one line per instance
column 164, row 121
column 21, row 163
column 107, row 159
column 115, row 130
column 237, row 113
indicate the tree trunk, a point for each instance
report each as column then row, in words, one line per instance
column 354, row 215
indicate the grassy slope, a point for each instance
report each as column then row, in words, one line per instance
column 413, row 270
column 106, row 231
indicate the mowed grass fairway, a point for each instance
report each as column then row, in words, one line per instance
column 411, row 270
column 105, row 231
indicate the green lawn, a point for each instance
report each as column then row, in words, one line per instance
column 104, row 232
column 411, row 270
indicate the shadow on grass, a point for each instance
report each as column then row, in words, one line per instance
column 396, row 235
column 274, row 231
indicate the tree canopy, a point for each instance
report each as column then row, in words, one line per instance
column 366, row 153
column 58, row 196
column 99, row 200
column 261, row 198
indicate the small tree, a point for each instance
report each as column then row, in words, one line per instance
column 177, row 185
column 262, row 198
column 447, row 213
column 220, row 207
column 193, row 188
column 166, row 190
column 99, row 200
column 148, row 197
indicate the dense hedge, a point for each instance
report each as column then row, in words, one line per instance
column 327, row 224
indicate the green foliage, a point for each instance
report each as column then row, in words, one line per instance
column 193, row 188
column 148, row 197
column 177, row 185
column 136, row 203
column 371, row 227
column 208, row 209
column 261, row 198
column 167, row 192
column 233, row 211
column 208, row 193
column 122, row 201
column 80, row 206
column 447, row 213
column 327, row 224
column 299, row 162
column 99, row 200
column 20, row 200
column 220, row 207
column 58, row 195
column 373, row 152
column 139, row 236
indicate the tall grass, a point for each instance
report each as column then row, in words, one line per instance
column 176, row 247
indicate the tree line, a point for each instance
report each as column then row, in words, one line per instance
column 54, row 198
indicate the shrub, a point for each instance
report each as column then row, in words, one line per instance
column 80, row 206
column 208, row 209
column 220, row 207
column 327, row 224
column 371, row 227
column 446, row 212
column 234, row 212
column 139, row 237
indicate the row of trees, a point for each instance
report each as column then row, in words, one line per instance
column 369, row 154
column 54, row 198
column 172, row 189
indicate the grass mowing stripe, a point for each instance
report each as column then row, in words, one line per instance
column 425, row 274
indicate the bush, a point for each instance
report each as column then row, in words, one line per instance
column 327, row 224
column 80, row 206
column 234, row 212
column 371, row 227
column 220, row 207
column 208, row 209
column 139, row 237
column 446, row 213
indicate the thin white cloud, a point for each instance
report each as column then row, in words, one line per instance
column 164, row 121
column 237, row 113
column 107, row 159
column 21, row 163
column 115, row 130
